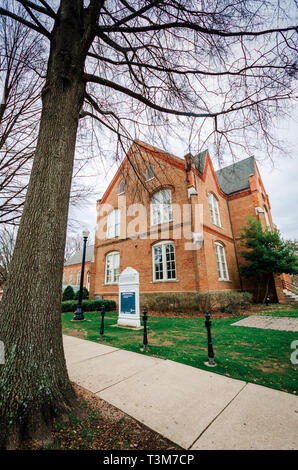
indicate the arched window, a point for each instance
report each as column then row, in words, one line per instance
column 214, row 210
column 161, row 207
column 221, row 262
column 78, row 277
column 113, row 226
column 122, row 187
column 149, row 173
column 164, row 264
column 112, row 267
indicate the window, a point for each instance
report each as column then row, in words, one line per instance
column 113, row 228
column 79, row 277
column 267, row 218
column 122, row 187
column 88, row 281
column 214, row 211
column 70, row 277
column 164, row 266
column 149, row 173
column 161, row 207
column 221, row 262
column 112, row 267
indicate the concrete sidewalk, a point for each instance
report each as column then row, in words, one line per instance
column 196, row 409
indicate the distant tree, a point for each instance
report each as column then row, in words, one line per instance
column 68, row 294
column 85, row 294
column 7, row 242
column 266, row 253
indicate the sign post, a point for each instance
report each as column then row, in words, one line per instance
column 129, row 299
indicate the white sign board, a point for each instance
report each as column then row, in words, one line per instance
column 129, row 298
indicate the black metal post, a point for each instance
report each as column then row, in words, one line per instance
column 101, row 333
column 145, row 338
column 210, row 346
column 78, row 314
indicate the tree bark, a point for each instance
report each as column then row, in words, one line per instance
column 266, row 288
column 34, row 383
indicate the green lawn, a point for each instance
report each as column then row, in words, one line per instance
column 250, row 354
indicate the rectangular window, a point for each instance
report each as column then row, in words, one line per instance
column 221, row 262
column 214, row 210
column 112, row 268
column 161, row 207
column 113, row 225
column 164, row 265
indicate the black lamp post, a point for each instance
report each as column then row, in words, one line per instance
column 145, row 337
column 211, row 361
column 78, row 315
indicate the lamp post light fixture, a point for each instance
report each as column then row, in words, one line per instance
column 78, row 314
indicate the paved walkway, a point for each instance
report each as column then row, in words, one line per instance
column 269, row 323
column 196, row 409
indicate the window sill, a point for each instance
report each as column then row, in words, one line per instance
column 224, row 280
column 167, row 280
column 110, row 284
column 146, row 181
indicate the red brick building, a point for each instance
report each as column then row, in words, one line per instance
column 73, row 267
column 148, row 220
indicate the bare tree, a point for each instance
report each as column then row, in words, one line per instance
column 125, row 64
column 7, row 243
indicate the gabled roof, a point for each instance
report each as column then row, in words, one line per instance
column 77, row 257
column 234, row 178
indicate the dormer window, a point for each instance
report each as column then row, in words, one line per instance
column 149, row 173
column 121, row 187
column 214, row 210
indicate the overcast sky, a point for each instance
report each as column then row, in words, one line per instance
column 279, row 178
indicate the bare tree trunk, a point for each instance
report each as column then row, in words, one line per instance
column 34, row 382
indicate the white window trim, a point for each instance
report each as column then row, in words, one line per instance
column 162, row 221
column 215, row 210
column 267, row 220
column 221, row 278
column 164, row 262
column 107, row 255
column 113, row 234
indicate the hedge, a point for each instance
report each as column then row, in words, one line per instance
column 186, row 302
column 89, row 305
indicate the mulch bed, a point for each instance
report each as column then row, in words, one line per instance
column 103, row 427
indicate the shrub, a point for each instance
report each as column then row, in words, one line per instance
column 186, row 302
column 85, row 294
column 89, row 305
column 68, row 293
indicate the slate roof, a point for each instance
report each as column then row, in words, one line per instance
column 200, row 160
column 77, row 257
column 234, row 178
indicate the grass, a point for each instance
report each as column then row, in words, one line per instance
column 255, row 355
